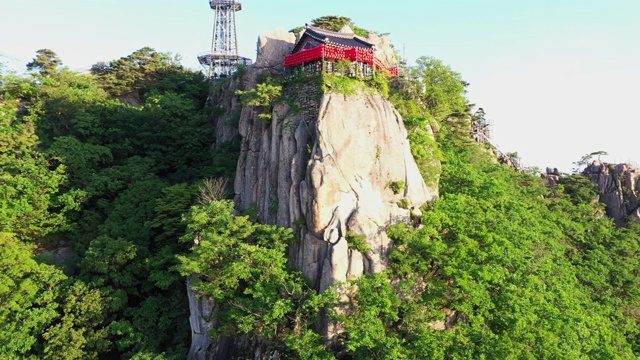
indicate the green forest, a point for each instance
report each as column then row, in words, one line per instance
column 102, row 165
column 108, row 177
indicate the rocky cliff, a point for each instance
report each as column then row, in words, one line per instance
column 328, row 175
column 619, row 186
column 327, row 169
column 331, row 166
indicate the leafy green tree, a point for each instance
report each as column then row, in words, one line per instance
column 242, row 266
column 580, row 190
column 46, row 62
column 130, row 211
column 81, row 332
column 28, row 294
column 113, row 262
column 586, row 159
column 176, row 132
column 265, row 96
column 82, row 159
column 132, row 76
column 377, row 305
column 335, row 23
column 440, row 89
column 70, row 104
column 169, row 207
column 431, row 99
column 31, row 204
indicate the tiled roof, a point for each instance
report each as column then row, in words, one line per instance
column 348, row 40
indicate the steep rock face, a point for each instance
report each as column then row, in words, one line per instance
column 272, row 48
column 384, row 49
column 619, row 186
column 225, row 114
column 329, row 174
column 200, row 321
column 324, row 168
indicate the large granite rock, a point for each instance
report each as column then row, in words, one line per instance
column 326, row 165
column 384, row 49
column 225, row 114
column 272, row 48
column 330, row 174
column 619, row 186
column 200, row 320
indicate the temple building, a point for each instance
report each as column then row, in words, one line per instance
column 320, row 51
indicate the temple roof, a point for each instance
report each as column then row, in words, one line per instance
column 343, row 38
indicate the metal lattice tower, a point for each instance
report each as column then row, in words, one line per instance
column 223, row 58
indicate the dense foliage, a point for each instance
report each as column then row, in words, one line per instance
column 96, row 171
column 102, row 197
column 242, row 266
column 334, row 23
column 502, row 265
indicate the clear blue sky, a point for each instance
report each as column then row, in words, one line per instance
column 558, row 79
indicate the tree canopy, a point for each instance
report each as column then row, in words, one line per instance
column 46, row 62
column 95, row 173
column 335, row 23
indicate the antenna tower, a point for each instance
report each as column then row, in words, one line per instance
column 223, row 59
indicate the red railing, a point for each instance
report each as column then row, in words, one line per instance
column 304, row 56
column 331, row 53
column 380, row 66
column 393, row 70
column 366, row 56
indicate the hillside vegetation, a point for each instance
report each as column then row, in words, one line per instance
column 102, row 197
column 96, row 171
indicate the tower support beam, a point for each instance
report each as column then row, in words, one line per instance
column 223, row 59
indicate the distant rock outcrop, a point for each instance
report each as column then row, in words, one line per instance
column 551, row 176
column 619, row 186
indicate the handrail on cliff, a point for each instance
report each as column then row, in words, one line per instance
column 501, row 155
